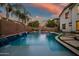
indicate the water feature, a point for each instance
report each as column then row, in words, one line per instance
column 36, row 44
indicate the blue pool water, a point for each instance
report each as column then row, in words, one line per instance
column 36, row 44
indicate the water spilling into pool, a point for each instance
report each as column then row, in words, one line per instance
column 36, row 44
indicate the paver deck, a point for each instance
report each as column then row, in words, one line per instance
column 67, row 38
column 73, row 43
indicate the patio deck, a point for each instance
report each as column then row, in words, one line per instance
column 70, row 42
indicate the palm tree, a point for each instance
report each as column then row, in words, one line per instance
column 27, row 18
column 27, row 13
column 8, row 8
column 23, row 17
column 22, row 13
column 17, row 13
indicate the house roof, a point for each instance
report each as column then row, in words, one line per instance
column 66, row 8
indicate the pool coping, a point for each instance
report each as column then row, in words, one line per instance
column 14, row 34
column 71, row 48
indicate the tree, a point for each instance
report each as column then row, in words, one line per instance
column 8, row 8
column 17, row 13
column 23, row 17
column 51, row 23
column 22, row 13
column 26, row 15
column 34, row 24
column 18, row 10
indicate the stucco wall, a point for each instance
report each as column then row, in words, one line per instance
column 65, row 21
column 73, row 18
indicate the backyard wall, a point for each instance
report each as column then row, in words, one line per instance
column 54, row 29
column 11, row 27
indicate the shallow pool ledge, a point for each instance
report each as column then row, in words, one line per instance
column 74, row 50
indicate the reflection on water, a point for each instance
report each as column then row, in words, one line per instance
column 54, row 45
column 36, row 44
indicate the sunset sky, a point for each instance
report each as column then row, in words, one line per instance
column 45, row 10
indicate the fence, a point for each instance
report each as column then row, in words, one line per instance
column 9, row 27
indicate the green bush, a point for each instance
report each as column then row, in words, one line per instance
column 51, row 23
column 34, row 24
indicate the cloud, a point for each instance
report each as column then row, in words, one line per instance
column 53, row 16
column 39, row 17
column 52, row 8
column 63, row 4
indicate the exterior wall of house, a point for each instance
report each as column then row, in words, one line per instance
column 71, row 21
column 65, row 21
column 74, row 18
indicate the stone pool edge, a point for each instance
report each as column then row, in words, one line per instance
column 74, row 50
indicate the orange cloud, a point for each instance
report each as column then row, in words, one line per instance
column 53, row 8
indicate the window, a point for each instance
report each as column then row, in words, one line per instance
column 66, row 15
column 63, row 26
column 77, row 25
column 70, row 23
column 78, row 9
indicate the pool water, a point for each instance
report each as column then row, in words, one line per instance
column 36, row 44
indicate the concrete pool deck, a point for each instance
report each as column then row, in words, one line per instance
column 69, row 42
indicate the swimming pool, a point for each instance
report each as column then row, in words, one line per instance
column 36, row 44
